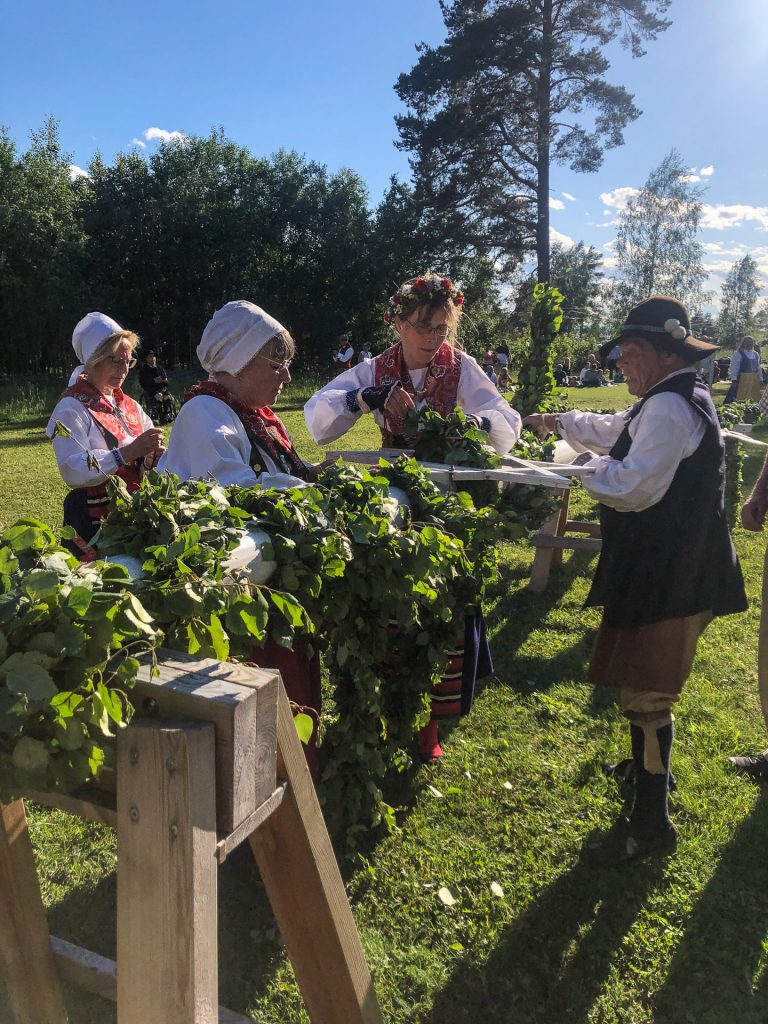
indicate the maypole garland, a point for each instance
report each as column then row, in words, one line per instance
column 381, row 600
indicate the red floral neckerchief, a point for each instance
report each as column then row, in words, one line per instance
column 439, row 389
column 263, row 427
column 120, row 419
column 118, row 422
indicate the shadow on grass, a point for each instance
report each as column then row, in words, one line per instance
column 24, row 423
column 718, row 973
column 28, row 441
column 551, row 964
column 513, row 619
column 249, row 944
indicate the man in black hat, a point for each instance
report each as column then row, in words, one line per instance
column 667, row 564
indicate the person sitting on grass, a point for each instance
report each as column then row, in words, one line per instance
column 667, row 564
column 154, row 382
column 590, row 376
column 98, row 431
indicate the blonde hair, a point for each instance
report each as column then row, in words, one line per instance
column 108, row 346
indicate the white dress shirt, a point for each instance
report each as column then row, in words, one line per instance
column 209, row 442
column 665, row 431
column 328, row 417
column 87, row 439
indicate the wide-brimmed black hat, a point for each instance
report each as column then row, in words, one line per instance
column 665, row 323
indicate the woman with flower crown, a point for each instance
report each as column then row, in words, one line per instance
column 424, row 368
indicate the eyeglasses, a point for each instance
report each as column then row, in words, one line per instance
column 128, row 361
column 441, row 331
column 283, row 367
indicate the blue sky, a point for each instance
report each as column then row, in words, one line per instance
column 318, row 77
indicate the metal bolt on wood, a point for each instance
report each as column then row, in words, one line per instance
column 133, row 814
column 133, row 756
column 170, row 764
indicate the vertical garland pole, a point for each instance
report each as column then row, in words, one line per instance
column 302, row 879
column 166, row 874
column 26, row 958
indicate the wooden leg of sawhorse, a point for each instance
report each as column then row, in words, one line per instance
column 562, row 522
column 166, row 875
column 302, row 879
column 26, row 958
column 546, row 557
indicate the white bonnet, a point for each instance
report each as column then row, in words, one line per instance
column 234, row 335
column 88, row 335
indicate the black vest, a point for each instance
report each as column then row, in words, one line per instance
column 675, row 558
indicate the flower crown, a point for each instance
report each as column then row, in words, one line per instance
column 420, row 291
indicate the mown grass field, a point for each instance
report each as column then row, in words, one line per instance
column 681, row 941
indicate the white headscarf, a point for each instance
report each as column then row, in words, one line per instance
column 234, row 335
column 88, row 335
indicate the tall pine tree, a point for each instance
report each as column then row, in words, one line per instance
column 501, row 99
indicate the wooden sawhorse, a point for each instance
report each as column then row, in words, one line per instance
column 552, row 539
column 228, row 766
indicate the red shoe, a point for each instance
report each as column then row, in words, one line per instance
column 428, row 743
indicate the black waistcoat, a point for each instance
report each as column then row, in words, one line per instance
column 675, row 558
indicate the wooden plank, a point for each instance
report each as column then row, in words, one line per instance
column 26, row 961
column 542, row 560
column 93, row 804
column 574, row 543
column 227, row 844
column 299, row 870
column 578, row 526
column 97, row 974
column 166, row 876
column 241, row 701
column 562, row 519
column 87, row 970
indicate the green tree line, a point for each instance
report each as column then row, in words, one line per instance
column 160, row 241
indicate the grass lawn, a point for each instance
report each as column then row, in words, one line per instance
column 681, row 941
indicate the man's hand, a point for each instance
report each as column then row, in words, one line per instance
column 754, row 510
column 541, row 422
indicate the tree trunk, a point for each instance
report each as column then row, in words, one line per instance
column 542, row 159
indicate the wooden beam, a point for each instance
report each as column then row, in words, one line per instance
column 228, row 843
column 301, row 876
column 577, row 526
column 166, row 875
column 241, row 701
column 92, row 804
column 573, row 543
column 97, row 974
column 34, row 989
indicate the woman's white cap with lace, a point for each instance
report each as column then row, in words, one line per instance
column 88, row 335
column 234, row 335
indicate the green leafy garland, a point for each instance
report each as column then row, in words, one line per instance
column 729, row 415
column 382, row 596
column 536, row 385
column 68, row 636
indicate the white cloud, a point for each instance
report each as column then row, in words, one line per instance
column 556, row 204
column 163, row 135
column 569, row 196
column 618, row 198
column 76, row 172
column 720, row 217
column 707, row 172
column 556, row 238
column 138, row 142
column 690, row 178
